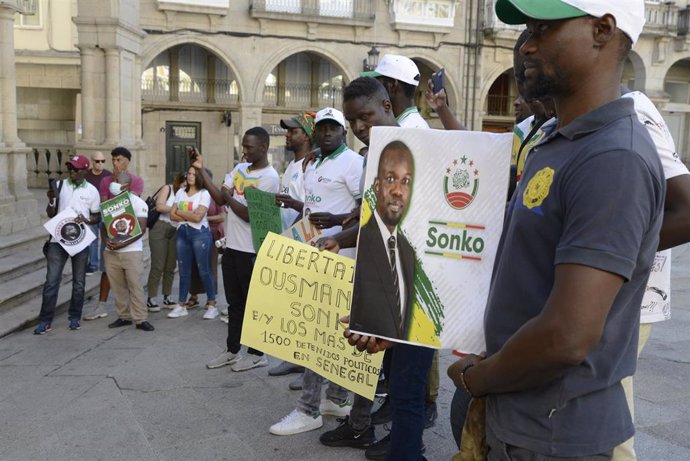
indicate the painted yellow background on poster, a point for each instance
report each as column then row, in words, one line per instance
column 296, row 298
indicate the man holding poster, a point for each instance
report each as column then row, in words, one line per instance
column 562, row 328
column 76, row 193
column 384, row 284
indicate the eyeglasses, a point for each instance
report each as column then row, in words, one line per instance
column 99, row 161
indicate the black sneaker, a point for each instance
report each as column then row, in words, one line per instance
column 119, row 323
column 378, row 451
column 383, row 414
column 145, row 325
column 74, row 324
column 168, row 302
column 345, row 436
column 431, row 413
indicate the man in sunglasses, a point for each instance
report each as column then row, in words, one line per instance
column 94, row 175
column 76, row 193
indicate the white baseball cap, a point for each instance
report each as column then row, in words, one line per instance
column 629, row 14
column 396, row 67
column 329, row 113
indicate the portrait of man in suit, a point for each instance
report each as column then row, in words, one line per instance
column 384, row 275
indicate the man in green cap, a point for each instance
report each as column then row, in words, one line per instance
column 561, row 325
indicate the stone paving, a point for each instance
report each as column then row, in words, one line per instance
column 126, row 394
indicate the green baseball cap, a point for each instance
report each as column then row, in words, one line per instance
column 304, row 121
column 520, row 11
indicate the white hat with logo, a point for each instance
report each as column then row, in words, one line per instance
column 329, row 113
column 396, row 67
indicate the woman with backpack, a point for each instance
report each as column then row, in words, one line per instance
column 162, row 241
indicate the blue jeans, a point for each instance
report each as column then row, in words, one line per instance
column 94, row 250
column 193, row 246
column 55, row 260
column 409, row 374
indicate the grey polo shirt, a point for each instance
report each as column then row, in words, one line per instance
column 591, row 193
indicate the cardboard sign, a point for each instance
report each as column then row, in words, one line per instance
column 71, row 235
column 296, row 298
column 442, row 196
column 119, row 218
column 303, row 231
column 264, row 215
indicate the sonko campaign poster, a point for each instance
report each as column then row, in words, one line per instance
column 431, row 220
column 73, row 236
column 119, row 218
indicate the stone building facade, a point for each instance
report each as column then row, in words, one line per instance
column 158, row 76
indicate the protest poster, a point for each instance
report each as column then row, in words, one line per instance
column 119, row 218
column 296, row 298
column 303, row 231
column 71, row 235
column 264, row 214
column 435, row 201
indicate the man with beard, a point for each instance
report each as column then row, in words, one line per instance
column 561, row 326
column 291, row 197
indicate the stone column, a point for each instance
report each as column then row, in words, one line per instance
column 112, row 101
column 17, row 206
column 89, row 90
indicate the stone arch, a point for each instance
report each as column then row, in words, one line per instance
column 156, row 47
column 283, row 53
column 489, row 80
column 639, row 70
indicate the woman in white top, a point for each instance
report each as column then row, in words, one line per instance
column 163, row 240
column 193, row 242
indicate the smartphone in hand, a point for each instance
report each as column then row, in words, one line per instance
column 438, row 79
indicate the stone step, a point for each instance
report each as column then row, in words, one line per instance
column 21, row 263
column 28, row 240
column 27, row 286
column 26, row 313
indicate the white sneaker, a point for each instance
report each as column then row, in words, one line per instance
column 249, row 361
column 296, row 422
column 94, row 311
column 226, row 358
column 211, row 313
column 179, row 311
column 223, row 310
column 341, row 410
column 224, row 318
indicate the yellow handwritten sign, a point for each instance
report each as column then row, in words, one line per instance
column 296, row 298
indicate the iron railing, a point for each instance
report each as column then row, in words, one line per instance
column 302, row 96
column 199, row 91
column 499, row 105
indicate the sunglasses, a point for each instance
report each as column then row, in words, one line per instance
column 99, row 161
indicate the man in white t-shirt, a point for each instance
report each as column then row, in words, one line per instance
column 331, row 186
column 675, row 230
column 299, row 141
column 291, row 197
column 124, row 265
column 400, row 76
column 76, row 193
column 239, row 254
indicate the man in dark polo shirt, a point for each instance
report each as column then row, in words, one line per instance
column 580, row 235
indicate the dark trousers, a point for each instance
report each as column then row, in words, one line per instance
column 55, row 264
column 499, row 451
column 237, row 273
column 409, row 373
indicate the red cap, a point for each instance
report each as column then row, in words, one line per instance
column 79, row 162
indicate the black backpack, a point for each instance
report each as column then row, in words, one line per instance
column 153, row 213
